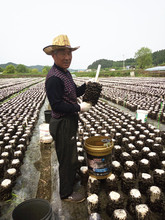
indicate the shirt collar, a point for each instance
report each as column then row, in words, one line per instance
column 61, row 69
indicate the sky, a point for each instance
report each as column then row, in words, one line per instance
column 104, row 29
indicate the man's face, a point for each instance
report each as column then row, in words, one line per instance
column 63, row 58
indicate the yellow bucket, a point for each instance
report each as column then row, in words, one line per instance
column 99, row 156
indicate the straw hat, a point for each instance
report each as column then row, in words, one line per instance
column 59, row 42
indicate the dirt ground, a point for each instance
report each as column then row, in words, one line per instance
column 44, row 167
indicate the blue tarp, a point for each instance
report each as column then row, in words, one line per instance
column 156, row 68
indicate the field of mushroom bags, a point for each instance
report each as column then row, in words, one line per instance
column 138, row 163
column 135, row 189
column 137, row 183
column 136, row 93
column 18, row 116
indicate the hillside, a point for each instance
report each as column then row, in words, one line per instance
column 39, row 67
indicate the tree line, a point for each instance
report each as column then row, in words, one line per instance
column 20, row 68
column 143, row 58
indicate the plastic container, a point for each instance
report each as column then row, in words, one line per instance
column 98, row 155
column 142, row 115
column 33, row 209
column 45, row 136
column 47, row 115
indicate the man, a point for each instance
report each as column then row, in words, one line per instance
column 62, row 94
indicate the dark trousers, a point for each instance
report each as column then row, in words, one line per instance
column 64, row 132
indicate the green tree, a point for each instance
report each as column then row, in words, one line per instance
column 9, row 69
column 34, row 70
column 1, row 69
column 21, row 68
column 104, row 64
column 130, row 62
column 143, row 57
column 158, row 57
column 46, row 69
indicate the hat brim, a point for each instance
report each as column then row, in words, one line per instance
column 51, row 48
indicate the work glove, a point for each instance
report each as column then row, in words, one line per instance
column 85, row 106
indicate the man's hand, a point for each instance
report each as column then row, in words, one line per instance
column 85, row 106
